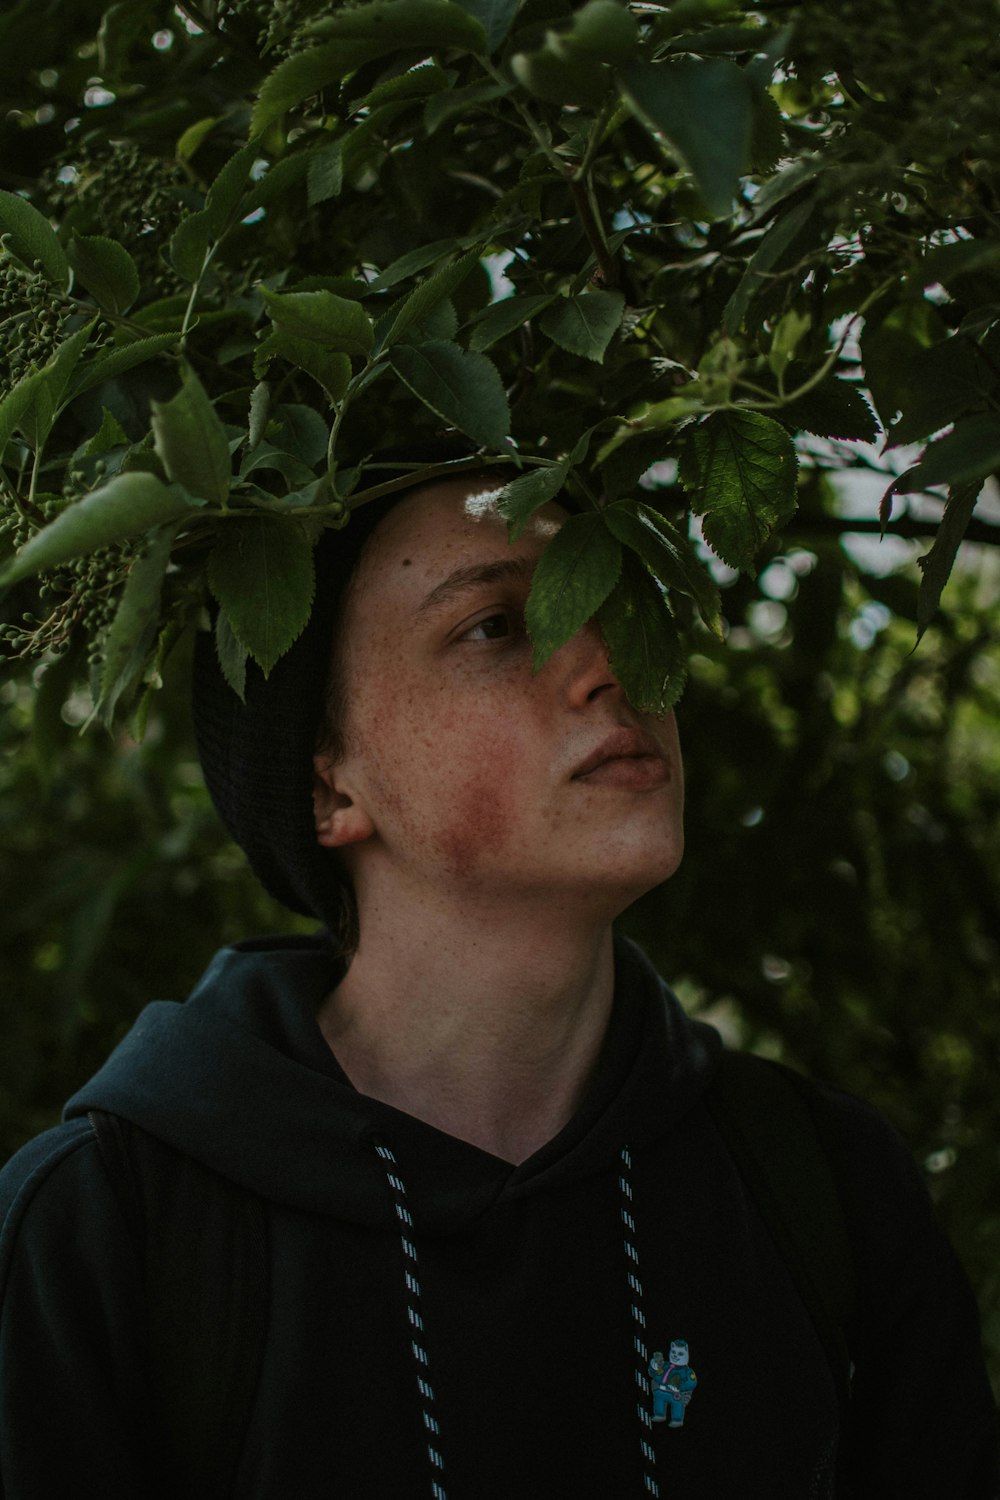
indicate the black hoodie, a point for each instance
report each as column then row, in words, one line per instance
column 440, row 1322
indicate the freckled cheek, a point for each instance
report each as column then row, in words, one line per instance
column 480, row 805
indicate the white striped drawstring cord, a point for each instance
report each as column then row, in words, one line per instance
column 650, row 1485
column 417, row 1347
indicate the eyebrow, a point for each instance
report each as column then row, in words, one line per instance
column 475, row 575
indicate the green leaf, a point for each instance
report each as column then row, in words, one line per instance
column 606, row 29
column 17, row 405
column 133, row 630
column 325, row 176
column 307, row 73
column 495, row 17
column 194, row 136
column 668, row 555
column 357, row 35
column 561, row 77
column 411, row 264
column 705, row 110
column 791, row 329
column 260, row 410
column 50, row 389
column 232, row 656
column 523, row 496
column 331, row 371
column 109, row 435
column 333, row 322
column 778, row 243
column 745, row 483
column 586, row 324
column 461, row 101
column 645, row 649
column 226, row 191
column 262, row 574
column 503, row 317
column 971, row 451
column 461, row 386
column 421, row 82
column 936, row 385
column 427, row 296
column 118, row 361
column 835, row 409
column 573, row 577
column 192, row 442
column 404, row 23
column 936, row 565
column 126, row 506
column 189, row 245
column 107, row 270
column 33, row 238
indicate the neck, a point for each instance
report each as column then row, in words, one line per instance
column 487, row 1029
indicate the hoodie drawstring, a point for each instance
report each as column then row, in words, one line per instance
column 422, row 1360
column 410, row 1268
column 639, row 1327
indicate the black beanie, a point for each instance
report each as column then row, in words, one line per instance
column 257, row 755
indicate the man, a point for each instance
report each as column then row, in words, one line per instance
column 484, row 1176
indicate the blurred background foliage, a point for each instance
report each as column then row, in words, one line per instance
column 839, row 905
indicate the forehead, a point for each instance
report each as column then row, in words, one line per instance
column 430, row 536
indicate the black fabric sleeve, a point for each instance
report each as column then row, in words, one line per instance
column 73, row 1386
column 923, row 1422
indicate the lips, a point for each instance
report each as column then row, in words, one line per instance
column 623, row 746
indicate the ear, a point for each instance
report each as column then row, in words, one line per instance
column 339, row 816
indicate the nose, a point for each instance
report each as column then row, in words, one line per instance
column 584, row 667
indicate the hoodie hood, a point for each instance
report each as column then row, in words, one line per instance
column 240, row 1078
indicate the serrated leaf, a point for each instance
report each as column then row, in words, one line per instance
column 971, row 451
column 704, row 108
column 331, row 371
column 420, row 82
column 668, row 555
column 745, row 483
column 192, row 443
column 936, row 565
column 645, row 650
column 936, row 385
column 262, row 574
column 586, row 324
column 126, row 506
column 503, row 317
column 835, row 409
column 260, row 408
column 118, row 361
column 335, row 323
column 106, row 269
column 223, row 199
column 461, row 101
column 189, row 245
column 425, row 297
column 574, row 575
column 16, row 405
column 133, row 630
column 233, row 657
column 108, row 435
column 325, row 176
column 306, row 73
column 523, row 496
column 459, row 385
column 33, row 238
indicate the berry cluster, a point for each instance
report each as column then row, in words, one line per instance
column 82, row 595
column 32, row 319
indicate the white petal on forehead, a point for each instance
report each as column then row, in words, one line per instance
column 485, row 503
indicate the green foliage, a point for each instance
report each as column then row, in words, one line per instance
column 696, row 209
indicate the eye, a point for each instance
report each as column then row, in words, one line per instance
column 492, row 628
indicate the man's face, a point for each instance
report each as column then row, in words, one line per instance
column 478, row 778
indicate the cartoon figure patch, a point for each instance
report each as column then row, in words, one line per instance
column 672, row 1383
